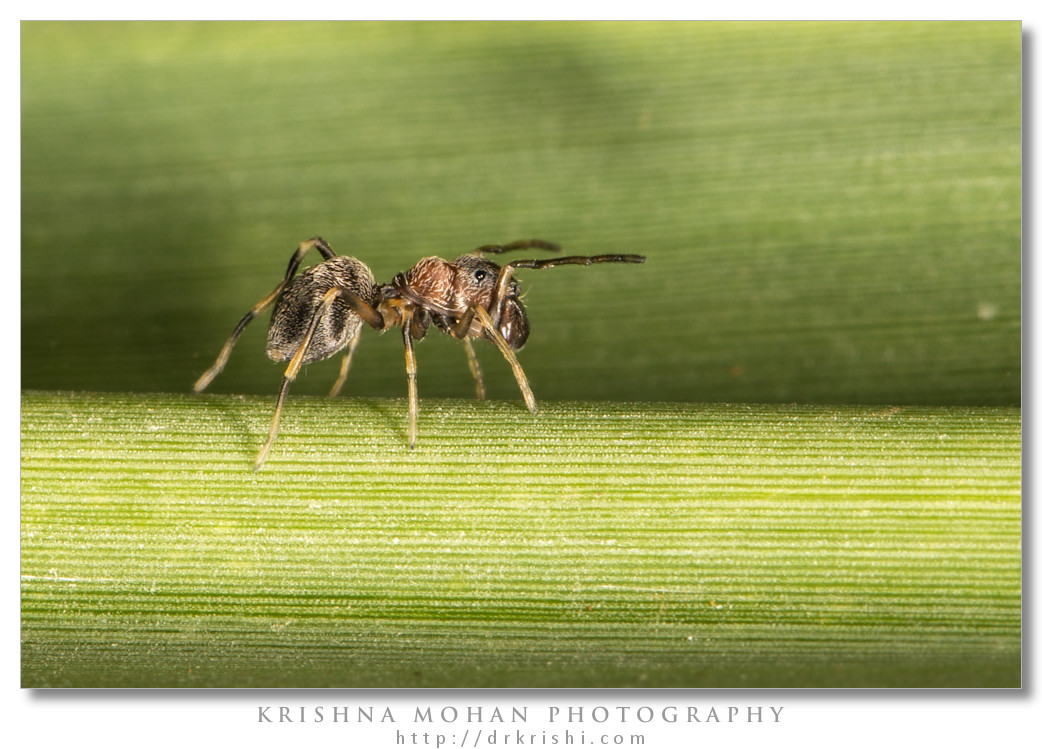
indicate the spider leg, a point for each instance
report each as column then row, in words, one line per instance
column 507, row 271
column 291, row 373
column 345, row 364
column 410, row 373
column 370, row 315
column 521, row 244
column 508, row 354
column 475, row 368
column 294, row 262
column 575, row 260
column 502, row 281
column 461, row 327
column 378, row 318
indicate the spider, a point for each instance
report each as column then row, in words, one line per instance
column 322, row 311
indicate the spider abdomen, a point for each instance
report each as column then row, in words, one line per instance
column 298, row 301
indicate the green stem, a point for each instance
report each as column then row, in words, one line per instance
column 593, row 544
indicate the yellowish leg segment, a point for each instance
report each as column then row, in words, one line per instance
column 410, row 373
column 345, row 365
column 475, row 368
column 291, row 374
column 508, row 354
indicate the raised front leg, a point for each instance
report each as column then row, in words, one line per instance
column 506, row 273
column 575, row 260
column 520, row 244
column 508, row 354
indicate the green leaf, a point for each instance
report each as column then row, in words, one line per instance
column 589, row 545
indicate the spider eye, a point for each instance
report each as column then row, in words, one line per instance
column 479, row 275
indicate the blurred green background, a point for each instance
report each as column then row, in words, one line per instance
column 831, row 211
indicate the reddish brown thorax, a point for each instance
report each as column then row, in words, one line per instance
column 429, row 280
column 449, row 288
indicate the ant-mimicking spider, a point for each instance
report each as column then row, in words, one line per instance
column 321, row 311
